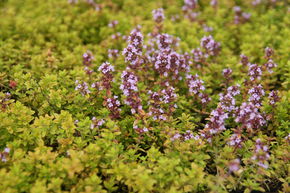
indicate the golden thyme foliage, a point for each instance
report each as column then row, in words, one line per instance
column 66, row 126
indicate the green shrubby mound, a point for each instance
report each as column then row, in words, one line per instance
column 144, row 96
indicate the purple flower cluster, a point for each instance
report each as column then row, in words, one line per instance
column 130, row 90
column 269, row 52
column 189, row 6
column 165, row 42
column 261, row 154
column 235, row 140
column 227, row 72
column 227, row 100
column 244, row 60
column 198, row 56
column 188, row 135
column 248, row 115
column 256, row 93
column 113, row 24
column 88, row 70
column 162, row 103
column 234, row 165
column 270, row 64
column 215, row 125
column 210, row 45
column 133, row 51
column 4, row 155
column 158, row 15
column 196, row 87
column 140, row 130
column 113, row 105
column 113, row 53
column 97, row 123
column 106, row 69
column 240, row 16
column 273, row 98
column 83, row 88
column 256, row 2
column 170, row 64
column 255, row 72
column 214, row 3
column 88, row 58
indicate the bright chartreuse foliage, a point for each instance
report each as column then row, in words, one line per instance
column 58, row 136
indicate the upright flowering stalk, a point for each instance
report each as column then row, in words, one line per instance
column 158, row 15
column 250, row 118
column 88, row 58
column 255, row 72
column 261, row 154
column 270, row 64
column 188, row 9
column 162, row 103
column 196, row 88
column 165, row 42
column 244, row 60
column 256, row 93
column 171, row 64
column 113, row 24
column 130, row 90
column 113, row 105
column 83, row 88
column 106, row 69
column 273, row 98
column 240, row 16
column 235, row 140
column 215, row 125
column 199, row 57
column 133, row 52
column 227, row 72
column 113, row 53
column 211, row 47
column 227, row 100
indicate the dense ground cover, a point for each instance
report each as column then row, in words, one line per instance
column 144, row 96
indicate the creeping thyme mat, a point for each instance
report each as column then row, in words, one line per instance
column 157, row 96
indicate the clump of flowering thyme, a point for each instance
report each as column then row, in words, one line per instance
column 106, row 69
column 113, row 104
column 273, row 98
column 240, row 16
column 215, row 125
column 211, row 47
column 130, row 90
column 270, row 64
column 255, row 72
column 249, row 116
column 261, row 154
column 158, row 15
column 88, row 58
column 256, row 93
column 196, row 87
column 162, row 103
column 97, row 123
column 133, row 51
column 83, row 88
